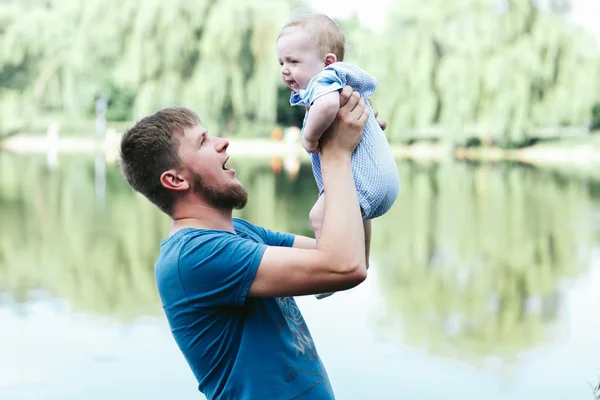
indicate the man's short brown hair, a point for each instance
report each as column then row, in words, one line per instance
column 150, row 148
column 328, row 36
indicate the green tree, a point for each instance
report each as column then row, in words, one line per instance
column 595, row 125
column 498, row 71
column 216, row 56
column 473, row 66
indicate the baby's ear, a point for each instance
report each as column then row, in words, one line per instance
column 330, row 58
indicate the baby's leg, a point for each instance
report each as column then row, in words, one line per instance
column 316, row 220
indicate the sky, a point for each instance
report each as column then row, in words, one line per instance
column 372, row 12
column 587, row 13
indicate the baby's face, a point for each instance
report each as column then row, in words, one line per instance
column 299, row 58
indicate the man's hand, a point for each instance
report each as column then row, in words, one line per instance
column 347, row 128
column 381, row 122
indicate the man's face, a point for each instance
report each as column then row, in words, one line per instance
column 204, row 158
column 299, row 59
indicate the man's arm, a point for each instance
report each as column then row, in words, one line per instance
column 321, row 115
column 303, row 242
column 338, row 261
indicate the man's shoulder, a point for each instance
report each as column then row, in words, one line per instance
column 190, row 247
column 185, row 235
column 248, row 230
column 240, row 224
column 185, row 240
column 261, row 234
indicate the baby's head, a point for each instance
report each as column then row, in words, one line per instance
column 306, row 45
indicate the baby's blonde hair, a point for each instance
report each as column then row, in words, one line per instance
column 328, row 36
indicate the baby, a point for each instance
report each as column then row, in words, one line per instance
column 310, row 50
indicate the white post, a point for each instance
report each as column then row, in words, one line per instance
column 52, row 138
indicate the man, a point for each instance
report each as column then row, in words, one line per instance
column 226, row 285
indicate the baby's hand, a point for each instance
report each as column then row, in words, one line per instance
column 312, row 146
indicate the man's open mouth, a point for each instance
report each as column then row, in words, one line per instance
column 224, row 167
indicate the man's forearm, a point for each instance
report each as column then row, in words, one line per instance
column 343, row 233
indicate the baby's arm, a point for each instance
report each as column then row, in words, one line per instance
column 321, row 115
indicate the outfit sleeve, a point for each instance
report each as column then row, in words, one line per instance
column 333, row 78
column 360, row 80
column 217, row 270
column 325, row 82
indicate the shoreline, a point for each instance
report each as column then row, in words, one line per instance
column 578, row 155
column 582, row 155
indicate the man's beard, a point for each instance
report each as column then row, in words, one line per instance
column 230, row 197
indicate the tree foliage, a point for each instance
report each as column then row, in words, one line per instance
column 216, row 56
column 498, row 70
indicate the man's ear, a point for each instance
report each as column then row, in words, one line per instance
column 330, row 58
column 173, row 180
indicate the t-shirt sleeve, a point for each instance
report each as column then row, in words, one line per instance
column 269, row 237
column 280, row 239
column 325, row 82
column 217, row 270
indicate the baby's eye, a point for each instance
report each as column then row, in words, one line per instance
column 294, row 62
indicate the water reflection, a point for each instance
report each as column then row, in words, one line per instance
column 472, row 262
column 82, row 234
column 473, row 257
column 58, row 235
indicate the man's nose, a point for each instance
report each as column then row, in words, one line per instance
column 222, row 144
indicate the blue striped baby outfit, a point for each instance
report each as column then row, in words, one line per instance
column 375, row 173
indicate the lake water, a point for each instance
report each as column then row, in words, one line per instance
column 485, row 284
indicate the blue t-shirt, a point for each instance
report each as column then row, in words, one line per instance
column 238, row 347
